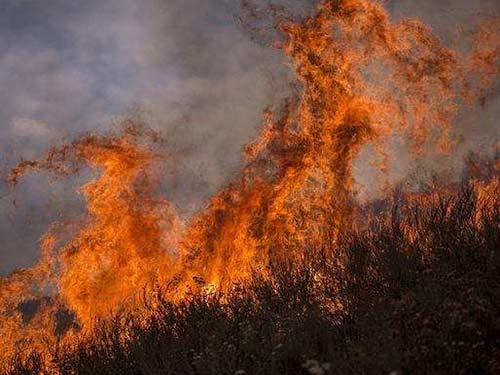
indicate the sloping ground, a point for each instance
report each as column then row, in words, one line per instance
column 418, row 292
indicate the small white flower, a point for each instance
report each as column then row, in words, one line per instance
column 240, row 372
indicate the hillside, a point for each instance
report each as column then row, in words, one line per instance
column 415, row 292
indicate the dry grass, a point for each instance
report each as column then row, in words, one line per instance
column 426, row 303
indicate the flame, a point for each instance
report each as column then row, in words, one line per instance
column 365, row 80
column 125, row 244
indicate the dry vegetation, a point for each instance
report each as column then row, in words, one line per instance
column 418, row 293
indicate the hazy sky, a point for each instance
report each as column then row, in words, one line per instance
column 68, row 66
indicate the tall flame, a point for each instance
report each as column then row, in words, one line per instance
column 126, row 243
column 364, row 80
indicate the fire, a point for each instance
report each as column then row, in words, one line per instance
column 365, row 80
column 126, row 243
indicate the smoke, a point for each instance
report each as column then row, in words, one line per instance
column 476, row 127
column 69, row 67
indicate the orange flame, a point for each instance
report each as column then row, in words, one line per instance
column 364, row 79
column 126, row 244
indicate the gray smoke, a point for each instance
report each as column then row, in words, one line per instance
column 70, row 66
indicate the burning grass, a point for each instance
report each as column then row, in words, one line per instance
column 323, row 284
column 417, row 291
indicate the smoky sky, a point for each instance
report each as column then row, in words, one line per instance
column 69, row 66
